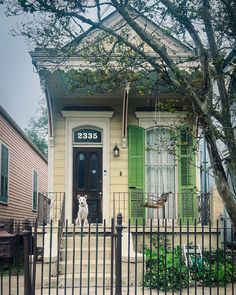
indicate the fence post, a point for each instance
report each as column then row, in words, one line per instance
column 119, row 229
column 11, row 226
column 26, row 237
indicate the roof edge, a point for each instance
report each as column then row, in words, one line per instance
column 9, row 119
column 42, row 52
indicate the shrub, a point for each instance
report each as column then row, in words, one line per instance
column 166, row 270
column 217, row 269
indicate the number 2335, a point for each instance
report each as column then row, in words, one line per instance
column 87, row 135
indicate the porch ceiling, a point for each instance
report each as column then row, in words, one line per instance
column 59, row 86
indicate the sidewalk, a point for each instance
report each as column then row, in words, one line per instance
column 107, row 291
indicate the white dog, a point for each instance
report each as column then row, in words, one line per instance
column 82, row 216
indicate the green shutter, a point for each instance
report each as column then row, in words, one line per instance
column 136, row 154
column 35, row 190
column 187, row 201
column 4, row 173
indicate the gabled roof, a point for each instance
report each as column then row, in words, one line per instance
column 114, row 19
column 175, row 48
column 54, row 65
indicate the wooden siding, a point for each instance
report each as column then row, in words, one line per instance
column 118, row 167
column 59, row 152
column 217, row 206
column 23, row 159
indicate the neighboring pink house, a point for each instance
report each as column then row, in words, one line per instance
column 23, row 170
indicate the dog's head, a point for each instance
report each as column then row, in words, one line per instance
column 82, row 200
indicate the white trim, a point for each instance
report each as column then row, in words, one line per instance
column 75, row 119
column 8, row 178
column 87, row 114
column 159, row 119
column 50, row 164
column 140, row 114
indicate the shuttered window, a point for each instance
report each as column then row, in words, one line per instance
column 4, row 173
column 136, row 139
column 187, row 176
column 35, row 189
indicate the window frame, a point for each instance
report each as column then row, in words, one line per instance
column 8, row 165
column 35, row 172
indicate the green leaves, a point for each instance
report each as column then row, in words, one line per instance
column 217, row 268
column 107, row 79
column 37, row 129
column 166, row 270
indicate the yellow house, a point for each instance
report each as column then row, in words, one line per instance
column 125, row 154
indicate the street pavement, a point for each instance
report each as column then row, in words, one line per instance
column 9, row 287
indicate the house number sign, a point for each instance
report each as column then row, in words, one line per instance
column 87, row 135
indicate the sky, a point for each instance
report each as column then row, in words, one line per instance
column 20, row 90
column 19, row 83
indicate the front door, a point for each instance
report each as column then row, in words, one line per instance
column 87, row 180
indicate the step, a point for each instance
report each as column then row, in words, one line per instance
column 86, row 229
column 92, row 251
column 102, row 266
column 98, row 280
column 99, row 241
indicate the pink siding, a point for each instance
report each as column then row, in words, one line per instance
column 23, row 159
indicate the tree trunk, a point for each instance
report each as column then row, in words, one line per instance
column 221, row 182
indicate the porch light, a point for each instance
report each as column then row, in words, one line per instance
column 116, row 151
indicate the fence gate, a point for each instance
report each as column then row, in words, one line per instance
column 158, row 257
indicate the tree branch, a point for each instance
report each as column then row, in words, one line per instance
column 218, row 62
column 230, row 58
column 217, row 116
column 201, row 107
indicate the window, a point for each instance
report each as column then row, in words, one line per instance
column 35, row 189
column 4, row 173
column 161, row 160
column 81, row 171
column 94, row 175
column 160, row 170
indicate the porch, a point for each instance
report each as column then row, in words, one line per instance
column 136, row 205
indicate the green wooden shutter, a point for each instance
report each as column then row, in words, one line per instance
column 187, row 201
column 35, row 189
column 4, row 173
column 136, row 154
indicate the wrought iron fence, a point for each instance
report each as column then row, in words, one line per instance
column 44, row 204
column 50, row 206
column 204, row 207
column 12, row 225
column 161, row 206
column 114, row 257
